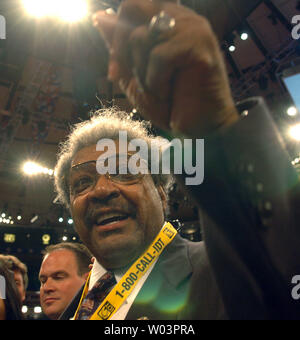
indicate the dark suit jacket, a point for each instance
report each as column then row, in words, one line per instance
column 180, row 286
column 250, row 213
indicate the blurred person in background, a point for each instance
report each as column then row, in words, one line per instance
column 10, row 304
column 20, row 273
column 64, row 269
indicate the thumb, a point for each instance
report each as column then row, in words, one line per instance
column 105, row 22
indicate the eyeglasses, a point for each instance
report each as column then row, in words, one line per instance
column 83, row 177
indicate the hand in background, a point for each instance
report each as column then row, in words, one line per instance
column 176, row 78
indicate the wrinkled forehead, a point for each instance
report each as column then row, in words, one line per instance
column 108, row 149
column 90, row 153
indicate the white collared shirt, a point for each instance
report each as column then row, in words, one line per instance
column 98, row 271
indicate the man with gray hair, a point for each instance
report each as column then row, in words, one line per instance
column 118, row 216
column 167, row 61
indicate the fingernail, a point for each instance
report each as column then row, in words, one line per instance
column 96, row 17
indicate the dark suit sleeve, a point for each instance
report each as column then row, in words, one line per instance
column 250, row 205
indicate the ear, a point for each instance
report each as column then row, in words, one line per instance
column 163, row 197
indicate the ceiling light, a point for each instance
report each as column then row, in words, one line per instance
column 36, row 8
column 292, row 111
column 34, row 218
column 294, row 132
column 72, row 10
column 32, row 168
column 67, row 10
column 24, row 309
column 37, row 309
column 232, row 48
column 70, row 221
column 244, row 36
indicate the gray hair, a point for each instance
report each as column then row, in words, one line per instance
column 104, row 123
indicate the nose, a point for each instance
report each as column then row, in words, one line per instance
column 47, row 287
column 104, row 190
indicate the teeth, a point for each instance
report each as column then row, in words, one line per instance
column 110, row 218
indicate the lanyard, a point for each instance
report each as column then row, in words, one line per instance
column 125, row 286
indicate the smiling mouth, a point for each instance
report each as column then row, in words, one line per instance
column 111, row 220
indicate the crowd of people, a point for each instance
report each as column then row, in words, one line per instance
column 167, row 60
column 63, row 271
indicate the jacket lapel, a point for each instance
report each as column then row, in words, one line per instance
column 165, row 284
column 165, row 291
column 69, row 312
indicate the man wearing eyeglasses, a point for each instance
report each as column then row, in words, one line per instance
column 118, row 215
column 167, row 61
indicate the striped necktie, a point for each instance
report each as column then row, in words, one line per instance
column 96, row 295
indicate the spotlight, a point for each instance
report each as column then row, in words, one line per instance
column 244, row 36
column 231, row 48
column 19, row 215
column 294, row 132
column 66, row 10
column 70, row 221
column 32, row 168
column 36, row 8
column 72, row 10
column 24, row 309
column 37, row 309
column 60, row 219
column 64, row 238
column 292, row 111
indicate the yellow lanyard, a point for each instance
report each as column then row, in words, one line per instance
column 125, row 286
